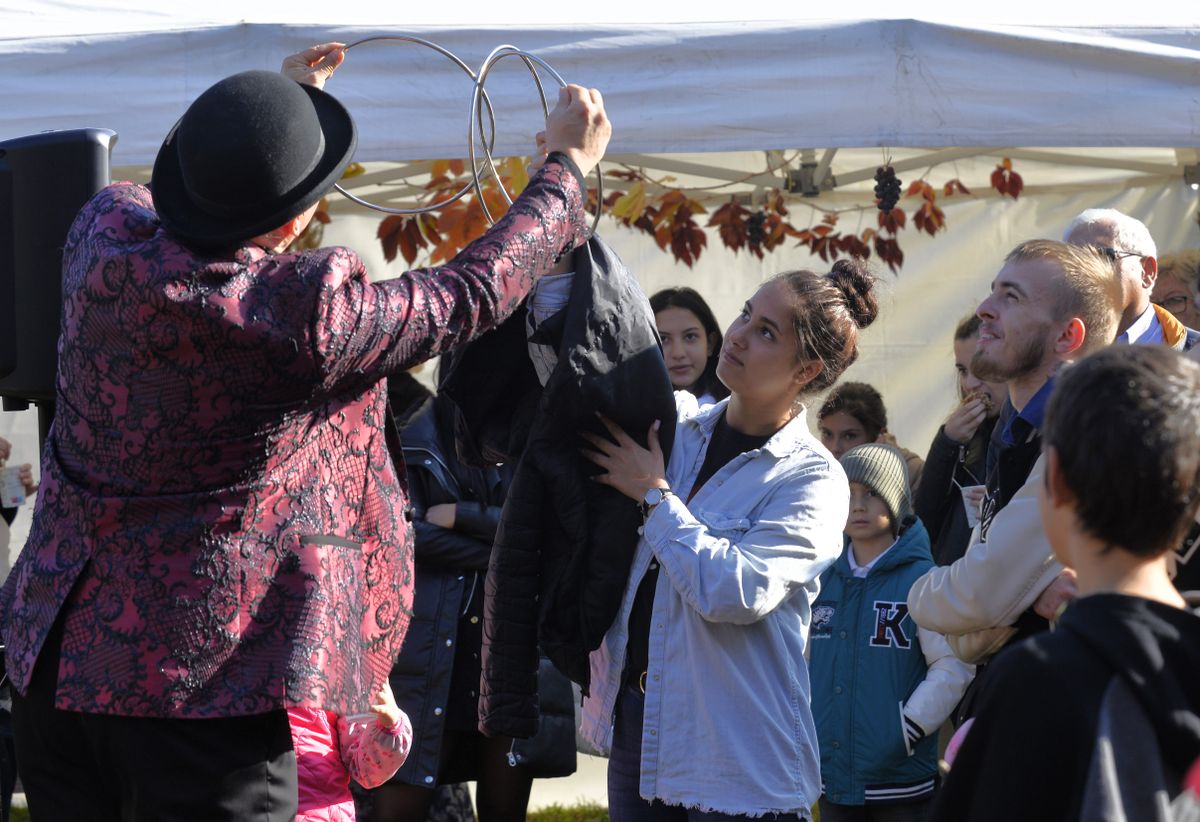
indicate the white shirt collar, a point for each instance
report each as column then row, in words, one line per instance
column 862, row 570
column 1145, row 329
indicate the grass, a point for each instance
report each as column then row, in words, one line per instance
column 586, row 812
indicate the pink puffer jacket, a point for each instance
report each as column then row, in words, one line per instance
column 330, row 749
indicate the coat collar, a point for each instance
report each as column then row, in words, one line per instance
column 911, row 546
column 783, row 442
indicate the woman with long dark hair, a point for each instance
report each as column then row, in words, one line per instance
column 691, row 341
column 699, row 689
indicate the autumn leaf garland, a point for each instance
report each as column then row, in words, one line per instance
column 669, row 215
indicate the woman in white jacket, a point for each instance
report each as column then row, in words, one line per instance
column 699, row 689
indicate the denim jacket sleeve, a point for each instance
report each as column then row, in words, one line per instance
column 740, row 570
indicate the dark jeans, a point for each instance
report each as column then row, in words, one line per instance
column 78, row 766
column 624, row 772
column 890, row 812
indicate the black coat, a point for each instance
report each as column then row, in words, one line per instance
column 938, row 498
column 450, row 563
column 565, row 543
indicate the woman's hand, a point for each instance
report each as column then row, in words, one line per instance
column 628, row 467
column 314, row 66
column 965, row 420
column 441, row 515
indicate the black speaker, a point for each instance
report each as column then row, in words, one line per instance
column 44, row 180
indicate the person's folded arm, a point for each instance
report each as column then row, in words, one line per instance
column 934, row 698
column 736, row 571
column 995, row 581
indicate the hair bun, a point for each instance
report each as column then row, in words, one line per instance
column 852, row 277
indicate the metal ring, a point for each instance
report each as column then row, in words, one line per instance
column 485, row 101
column 476, row 114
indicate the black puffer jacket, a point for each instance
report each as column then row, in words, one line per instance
column 565, row 543
column 450, row 564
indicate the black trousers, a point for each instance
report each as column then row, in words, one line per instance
column 77, row 766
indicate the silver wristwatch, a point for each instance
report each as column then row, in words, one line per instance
column 652, row 498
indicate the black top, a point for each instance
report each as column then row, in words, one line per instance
column 726, row 443
column 1031, row 753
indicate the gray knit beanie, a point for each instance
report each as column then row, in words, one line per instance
column 882, row 469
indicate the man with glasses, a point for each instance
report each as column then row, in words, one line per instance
column 1128, row 244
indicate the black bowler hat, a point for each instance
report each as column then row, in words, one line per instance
column 248, row 155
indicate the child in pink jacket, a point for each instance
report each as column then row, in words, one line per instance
column 330, row 749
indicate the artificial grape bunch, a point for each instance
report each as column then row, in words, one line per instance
column 755, row 230
column 887, row 188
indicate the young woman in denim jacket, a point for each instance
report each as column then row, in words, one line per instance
column 700, row 690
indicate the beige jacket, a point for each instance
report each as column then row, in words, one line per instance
column 975, row 600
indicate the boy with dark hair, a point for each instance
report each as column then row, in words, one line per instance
column 881, row 686
column 1101, row 718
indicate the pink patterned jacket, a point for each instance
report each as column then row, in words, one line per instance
column 220, row 522
column 330, row 749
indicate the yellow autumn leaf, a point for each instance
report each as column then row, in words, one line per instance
column 630, row 205
column 516, row 175
column 354, row 170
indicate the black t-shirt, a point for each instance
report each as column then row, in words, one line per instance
column 726, row 443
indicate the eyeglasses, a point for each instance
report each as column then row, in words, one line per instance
column 1174, row 304
column 1114, row 254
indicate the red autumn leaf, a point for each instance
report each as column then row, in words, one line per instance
column 321, row 215
column 955, row 186
column 888, row 250
column 411, row 241
column 1006, row 181
column 929, row 218
column 1015, row 184
column 852, row 246
column 830, row 218
column 429, row 227
column 687, row 241
column 920, row 188
column 623, row 174
column 893, row 220
column 999, row 181
column 730, row 220
column 389, row 235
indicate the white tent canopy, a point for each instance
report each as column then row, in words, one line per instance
column 671, row 88
column 1100, row 115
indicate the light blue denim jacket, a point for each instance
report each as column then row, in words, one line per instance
column 728, row 725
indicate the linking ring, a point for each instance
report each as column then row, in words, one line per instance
column 475, row 121
column 476, row 114
column 466, row 189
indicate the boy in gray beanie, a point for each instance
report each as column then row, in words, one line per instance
column 881, row 686
column 884, row 472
